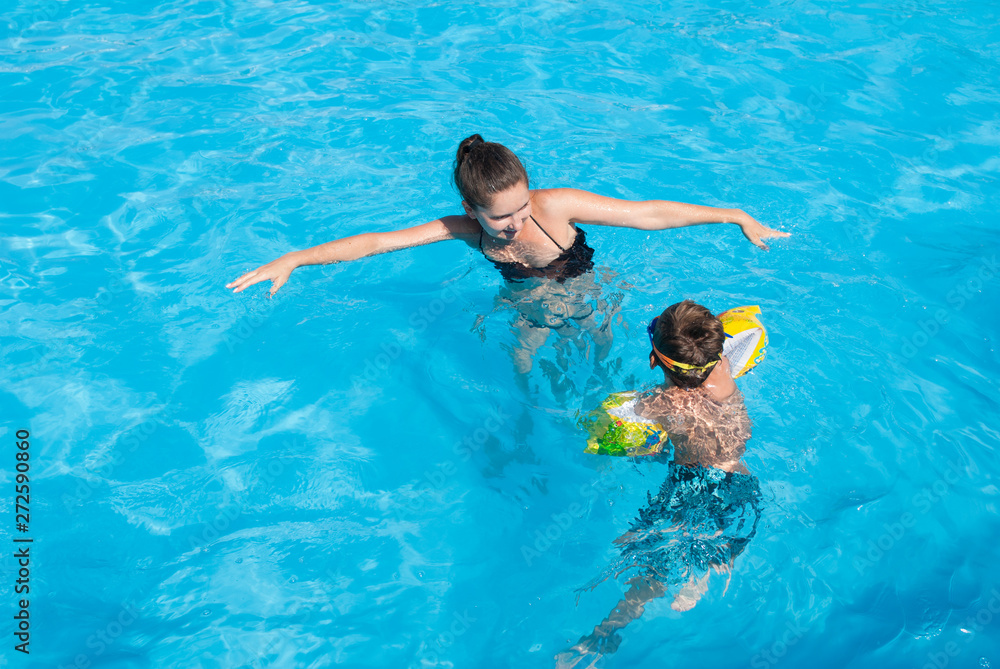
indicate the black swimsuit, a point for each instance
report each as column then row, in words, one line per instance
column 572, row 262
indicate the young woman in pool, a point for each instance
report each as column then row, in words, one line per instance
column 530, row 235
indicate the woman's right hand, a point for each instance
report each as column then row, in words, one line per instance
column 277, row 271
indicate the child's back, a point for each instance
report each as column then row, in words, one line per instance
column 707, row 425
column 698, row 404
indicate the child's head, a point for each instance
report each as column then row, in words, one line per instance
column 687, row 343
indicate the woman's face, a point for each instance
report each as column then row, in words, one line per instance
column 504, row 218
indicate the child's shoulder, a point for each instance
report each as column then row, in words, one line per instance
column 661, row 401
column 671, row 400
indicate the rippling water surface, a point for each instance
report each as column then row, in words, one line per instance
column 350, row 474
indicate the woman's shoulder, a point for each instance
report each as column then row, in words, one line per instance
column 556, row 201
column 580, row 206
column 458, row 226
column 440, row 229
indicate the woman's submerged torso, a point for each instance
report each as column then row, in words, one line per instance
column 705, row 431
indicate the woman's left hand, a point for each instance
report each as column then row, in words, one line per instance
column 755, row 232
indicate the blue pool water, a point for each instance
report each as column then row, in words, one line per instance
column 350, row 474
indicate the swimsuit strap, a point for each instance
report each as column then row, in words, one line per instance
column 548, row 235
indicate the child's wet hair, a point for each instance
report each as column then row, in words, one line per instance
column 483, row 169
column 688, row 333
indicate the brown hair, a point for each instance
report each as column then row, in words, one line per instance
column 483, row 169
column 688, row 332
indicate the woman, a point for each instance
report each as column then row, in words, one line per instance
column 531, row 236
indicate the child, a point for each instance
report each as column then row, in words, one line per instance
column 699, row 403
column 707, row 509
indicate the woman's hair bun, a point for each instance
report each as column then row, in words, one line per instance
column 483, row 169
column 466, row 146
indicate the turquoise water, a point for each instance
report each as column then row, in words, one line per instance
column 350, row 474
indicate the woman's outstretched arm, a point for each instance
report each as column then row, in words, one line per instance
column 359, row 246
column 580, row 206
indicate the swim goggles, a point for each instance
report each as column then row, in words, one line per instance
column 673, row 365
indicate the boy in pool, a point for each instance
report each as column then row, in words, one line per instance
column 707, row 509
column 698, row 403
